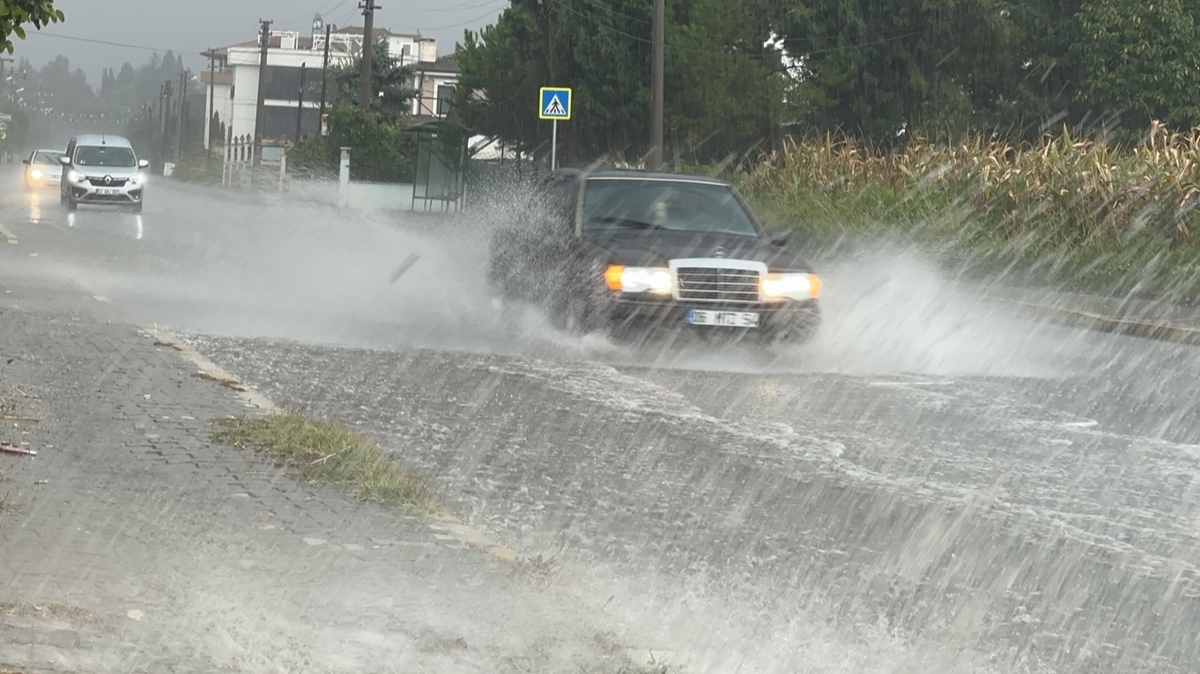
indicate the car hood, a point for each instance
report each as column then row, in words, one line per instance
column 655, row 248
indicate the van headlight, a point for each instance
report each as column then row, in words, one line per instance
column 75, row 176
column 639, row 279
column 137, row 179
column 777, row 287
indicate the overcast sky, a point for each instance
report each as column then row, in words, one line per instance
column 191, row 26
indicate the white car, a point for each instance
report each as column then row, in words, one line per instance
column 102, row 169
column 42, row 169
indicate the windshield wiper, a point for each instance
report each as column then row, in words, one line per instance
column 626, row 222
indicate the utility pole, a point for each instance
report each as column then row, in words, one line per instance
column 212, row 103
column 180, row 123
column 324, row 71
column 300, row 106
column 260, row 119
column 364, row 92
column 165, row 114
column 654, row 161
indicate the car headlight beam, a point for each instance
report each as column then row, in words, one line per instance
column 777, row 287
column 655, row 280
column 36, row 174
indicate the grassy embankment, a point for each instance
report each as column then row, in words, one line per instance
column 1074, row 214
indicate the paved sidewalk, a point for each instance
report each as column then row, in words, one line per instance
column 131, row 543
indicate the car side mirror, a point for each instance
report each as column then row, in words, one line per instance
column 65, row 161
column 780, row 238
column 25, row 160
column 143, row 163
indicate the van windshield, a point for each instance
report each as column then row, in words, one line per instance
column 105, row 156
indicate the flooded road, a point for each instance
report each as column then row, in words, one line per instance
column 934, row 485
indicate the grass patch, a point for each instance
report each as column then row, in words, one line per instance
column 648, row 669
column 323, row 451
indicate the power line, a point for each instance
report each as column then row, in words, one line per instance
column 464, row 23
column 316, row 11
column 105, row 42
column 464, row 6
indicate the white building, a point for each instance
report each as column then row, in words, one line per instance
column 232, row 79
column 435, row 84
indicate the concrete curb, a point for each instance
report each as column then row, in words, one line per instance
column 1163, row 332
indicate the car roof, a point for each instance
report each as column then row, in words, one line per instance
column 102, row 139
column 635, row 174
column 46, row 149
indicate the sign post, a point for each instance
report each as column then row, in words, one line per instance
column 554, row 103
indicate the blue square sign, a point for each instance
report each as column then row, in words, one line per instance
column 555, row 103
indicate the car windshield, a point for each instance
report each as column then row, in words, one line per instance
column 105, row 156
column 676, row 205
column 47, row 158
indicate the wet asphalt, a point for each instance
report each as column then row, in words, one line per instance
column 936, row 484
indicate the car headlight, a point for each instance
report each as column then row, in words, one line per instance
column 36, row 174
column 137, row 179
column 639, row 279
column 75, row 176
column 791, row 286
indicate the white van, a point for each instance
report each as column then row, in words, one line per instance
column 102, row 169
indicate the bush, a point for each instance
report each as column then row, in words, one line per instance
column 379, row 152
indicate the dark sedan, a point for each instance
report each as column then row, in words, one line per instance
column 626, row 251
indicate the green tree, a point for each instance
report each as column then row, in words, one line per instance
column 390, row 80
column 879, row 67
column 1144, row 57
column 15, row 14
column 723, row 88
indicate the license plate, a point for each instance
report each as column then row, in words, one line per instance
column 107, row 192
column 737, row 319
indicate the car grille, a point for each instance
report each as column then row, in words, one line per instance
column 99, row 182
column 704, row 284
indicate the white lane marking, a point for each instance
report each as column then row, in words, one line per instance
column 7, row 234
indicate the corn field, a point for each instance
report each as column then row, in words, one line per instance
column 1059, row 190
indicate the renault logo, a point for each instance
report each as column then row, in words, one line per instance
column 107, row 180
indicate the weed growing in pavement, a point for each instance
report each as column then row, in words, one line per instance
column 649, row 669
column 328, row 452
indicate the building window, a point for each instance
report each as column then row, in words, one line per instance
column 445, row 96
column 283, row 82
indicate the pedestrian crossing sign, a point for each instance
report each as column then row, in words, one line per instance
column 555, row 103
